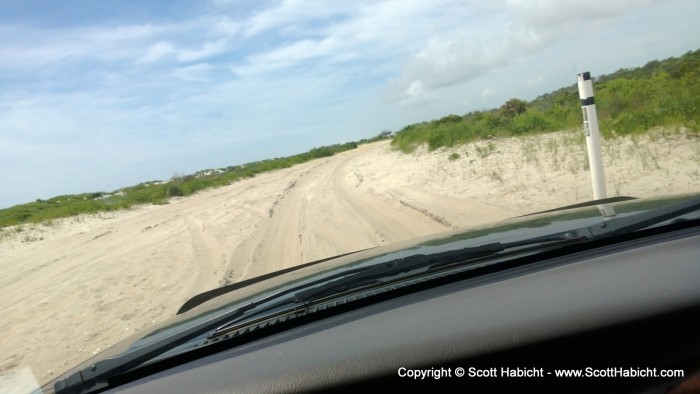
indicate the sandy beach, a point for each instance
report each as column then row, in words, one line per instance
column 76, row 286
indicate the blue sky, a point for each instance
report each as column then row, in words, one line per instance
column 98, row 95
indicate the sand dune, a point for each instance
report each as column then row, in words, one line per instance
column 78, row 286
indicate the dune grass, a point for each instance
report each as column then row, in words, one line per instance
column 630, row 101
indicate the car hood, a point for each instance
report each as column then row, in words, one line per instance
column 514, row 229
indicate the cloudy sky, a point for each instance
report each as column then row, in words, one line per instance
column 97, row 95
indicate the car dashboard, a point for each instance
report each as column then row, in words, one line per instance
column 628, row 305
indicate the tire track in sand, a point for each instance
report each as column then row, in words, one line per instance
column 322, row 213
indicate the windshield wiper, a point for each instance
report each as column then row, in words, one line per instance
column 381, row 272
column 97, row 375
column 361, row 276
column 375, row 273
column 605, row 229
column 628, row 224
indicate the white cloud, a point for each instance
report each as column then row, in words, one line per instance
column 546, row 15
column 126, row 32
column 537, row 23
column 226, row 26
column 522, row 27
column 487, row 92
column 416, row 95
column 291, row 12
column 536, row 80
column 287, row 56
column 28, row 46
column 198, row 72
column 157, row 52
column 206, row 50
column 324, row 33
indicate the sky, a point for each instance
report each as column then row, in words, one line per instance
column 99, row 95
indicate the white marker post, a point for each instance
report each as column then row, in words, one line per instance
column 590, row 127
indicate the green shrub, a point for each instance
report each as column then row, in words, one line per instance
column 661, row 93
column 174, row 191
column 153, row 192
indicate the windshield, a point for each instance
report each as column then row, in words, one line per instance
column 153, row 151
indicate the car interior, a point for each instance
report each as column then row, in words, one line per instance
column 628, row 302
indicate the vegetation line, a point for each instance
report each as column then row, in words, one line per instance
column 630, row 101
column 158, row 192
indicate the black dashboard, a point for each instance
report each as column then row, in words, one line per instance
column 615, row 309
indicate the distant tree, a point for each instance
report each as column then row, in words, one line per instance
column 384, row 135
column 449, row 119
column 513, row 107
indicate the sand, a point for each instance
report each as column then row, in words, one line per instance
column 76, row 286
